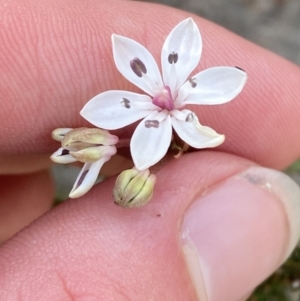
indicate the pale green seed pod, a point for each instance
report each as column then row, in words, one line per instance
column 85, row 137
column 83, row 144
column 92, row 154
column 134, row 188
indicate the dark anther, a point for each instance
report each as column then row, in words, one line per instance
column 125, row 102
column 138, row 67
column 151, row 124
column 173, row 58
column 82, row 177
column 192, row 82
column 64, row 152
column 239, row 68
column 189, row 117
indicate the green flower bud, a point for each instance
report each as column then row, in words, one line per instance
column 134, row 188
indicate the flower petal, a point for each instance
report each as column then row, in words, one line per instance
column 115, row 109
column 181, row 53
column 194, row 134
column 87, row 178
column 151, row 140
column 136, row 64
column 59, row 134
column 212, row 86
column 62, row 156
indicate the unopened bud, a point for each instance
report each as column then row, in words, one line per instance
column 93, row 154
column 59, row 134
column 84, row 137
column 134, row 188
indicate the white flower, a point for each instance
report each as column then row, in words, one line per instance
column 93, row 147
column 161, row 110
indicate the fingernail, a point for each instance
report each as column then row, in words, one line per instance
column 239, row 231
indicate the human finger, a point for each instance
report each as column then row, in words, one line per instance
column 23, row 164
column 217, row 226
column 23, row 198
column 56, row 56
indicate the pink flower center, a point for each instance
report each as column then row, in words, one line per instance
column 164, row 99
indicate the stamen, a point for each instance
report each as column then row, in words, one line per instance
column 189, row 117
column 173, row 57
column 138, row 67
column 64, row 152
column 82, row 177
column 151, row 124
column 125, row 102
column 193, row 82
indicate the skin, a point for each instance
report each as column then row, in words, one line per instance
column 54, row 57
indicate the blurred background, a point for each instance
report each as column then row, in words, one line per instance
column 275, row 25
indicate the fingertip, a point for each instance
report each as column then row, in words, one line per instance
column 234, row 231
column 239, row 232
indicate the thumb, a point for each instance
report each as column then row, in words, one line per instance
column 217, row 226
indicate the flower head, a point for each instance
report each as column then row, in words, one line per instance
column 161, row 110
column 93, row 147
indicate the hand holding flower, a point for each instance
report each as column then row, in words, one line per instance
column 218, row 223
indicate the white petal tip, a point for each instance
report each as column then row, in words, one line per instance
column 219, row 140
column 77, row 194
column 116, row 38
column 72, row 196
column 59, row 133
column 187, row 20
column 190, row 20
column 81, row 112
column 214, row 142
column 113, row 37
column 56, row 159
column 81, row 190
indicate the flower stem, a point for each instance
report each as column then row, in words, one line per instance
column 123, row 143
column 170, row 156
